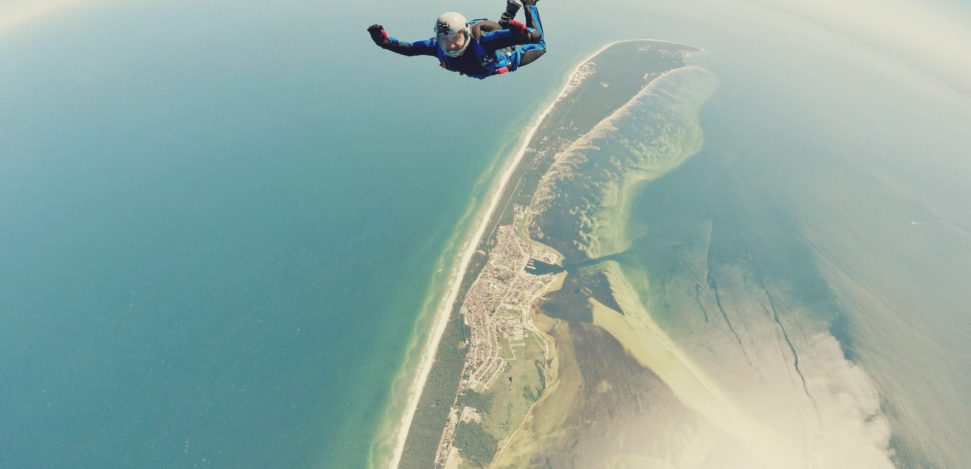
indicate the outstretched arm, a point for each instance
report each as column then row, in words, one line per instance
column 515, row 33
column 381, row 38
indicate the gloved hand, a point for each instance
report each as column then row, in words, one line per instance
column 514, row 26
column 378, row 34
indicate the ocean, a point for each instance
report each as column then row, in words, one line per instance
column 218, row 225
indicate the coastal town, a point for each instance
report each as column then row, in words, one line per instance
column 497, row 311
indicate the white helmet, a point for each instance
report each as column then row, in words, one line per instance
column 452, row 33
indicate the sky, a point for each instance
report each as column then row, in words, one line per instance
column 20, row 12
column 933, row 34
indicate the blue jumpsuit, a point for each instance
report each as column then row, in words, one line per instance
column 491, row 50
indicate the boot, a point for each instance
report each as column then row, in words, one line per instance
column 512, row 7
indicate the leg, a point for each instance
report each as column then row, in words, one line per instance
column 528, row 53
column 528, row 56
column 533, row 21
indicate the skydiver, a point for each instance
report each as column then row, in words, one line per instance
column 480, row 48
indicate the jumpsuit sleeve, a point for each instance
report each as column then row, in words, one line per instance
column 426, row 47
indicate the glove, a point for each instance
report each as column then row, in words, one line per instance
column 378, row 34
column 514, row 26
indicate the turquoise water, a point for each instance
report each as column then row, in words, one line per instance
column 216, row 230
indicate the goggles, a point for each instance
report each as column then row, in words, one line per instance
column 453, row 44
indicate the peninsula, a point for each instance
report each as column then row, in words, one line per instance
column 493, row 357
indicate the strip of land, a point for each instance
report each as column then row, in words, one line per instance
column 455, row 282
column 585, row 100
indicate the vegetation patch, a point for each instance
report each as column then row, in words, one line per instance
column 476, row 444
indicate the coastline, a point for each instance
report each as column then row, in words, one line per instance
column 469, row 246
